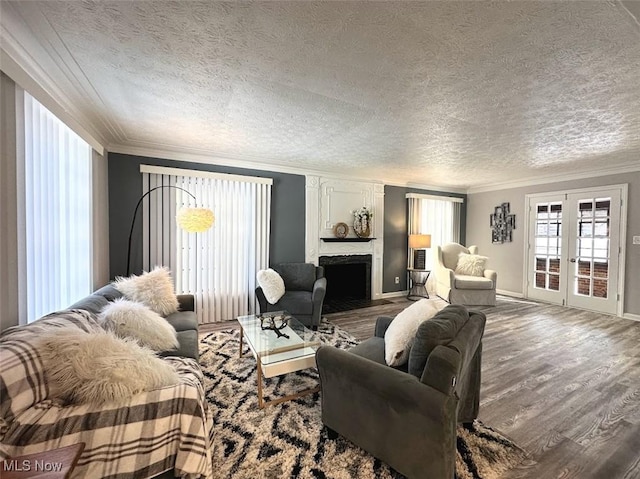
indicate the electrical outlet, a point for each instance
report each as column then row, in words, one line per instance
column 397, row 279
column 636, row 240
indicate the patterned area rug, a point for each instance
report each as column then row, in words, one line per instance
column 288, row 440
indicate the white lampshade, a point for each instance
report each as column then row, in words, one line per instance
column 419, row 241
column 195, row 220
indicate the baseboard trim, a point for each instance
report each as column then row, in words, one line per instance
column 394, row 294
column 631, row 316
column 513, row 294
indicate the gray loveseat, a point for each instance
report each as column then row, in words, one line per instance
column 184, row 321
column 408, row 416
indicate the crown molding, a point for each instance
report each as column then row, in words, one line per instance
column 209, row 158
column 27, row 82
column 633, row 167
column 424, row 186
column 205, row 157
column 55, row 80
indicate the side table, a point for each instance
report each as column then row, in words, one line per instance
column 418, row 278
column 54, row 464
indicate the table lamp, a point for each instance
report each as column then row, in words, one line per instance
column 419, row 243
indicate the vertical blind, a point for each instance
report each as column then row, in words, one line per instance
column 220, row 265
column 436, row 216
column 56, row 190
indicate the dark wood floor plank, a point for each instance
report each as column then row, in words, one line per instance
column 563, row 383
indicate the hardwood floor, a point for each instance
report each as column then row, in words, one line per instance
column 563, row 383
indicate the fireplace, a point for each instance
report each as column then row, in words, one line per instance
column 348, row 276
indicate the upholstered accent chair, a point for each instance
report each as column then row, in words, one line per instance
column 407, row 416
column 462, row 288
column 305, row 287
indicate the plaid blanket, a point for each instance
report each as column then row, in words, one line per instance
column 155, row 431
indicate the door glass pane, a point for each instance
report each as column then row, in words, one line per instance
column 592, row 248
column 600, row 288
column 600, row 269
column 585, row 209
column 542, row 228
column 584, row 268
column 601, row 227
column 603, row 207
column 583, row 286
column 547, row 240
column 586, row 228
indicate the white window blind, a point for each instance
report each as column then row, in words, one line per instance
column 55, row 184
column 220, row 265
column 436, row 216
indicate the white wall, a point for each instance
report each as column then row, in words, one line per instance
column 509, row 258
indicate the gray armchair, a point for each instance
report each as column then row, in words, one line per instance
column 305, row 287
column 407, row 417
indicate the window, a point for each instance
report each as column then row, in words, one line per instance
column 220, row 265
column 436, row 216
column 55, row 203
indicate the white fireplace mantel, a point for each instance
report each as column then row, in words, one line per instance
column 330, row 201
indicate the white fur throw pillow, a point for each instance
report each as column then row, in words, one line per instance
column 100, row 367
column 154, row 289
column 471, row 264
column 272, row 285
column 129, row 319
column 401, row 333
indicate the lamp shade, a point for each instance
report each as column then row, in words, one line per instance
column 195, row 220
column 419, row 241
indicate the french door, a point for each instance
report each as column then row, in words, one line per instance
column 574, row 248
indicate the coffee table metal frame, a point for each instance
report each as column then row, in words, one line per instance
column 277, row 356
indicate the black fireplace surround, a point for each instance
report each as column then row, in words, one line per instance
column 348, row 276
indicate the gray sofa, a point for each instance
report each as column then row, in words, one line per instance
column 164, row 432
column 305, row 288
column 407, row 417
column 184, row 321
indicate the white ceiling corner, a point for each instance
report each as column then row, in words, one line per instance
column 456, row 95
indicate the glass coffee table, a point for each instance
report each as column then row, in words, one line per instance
column 281, row 344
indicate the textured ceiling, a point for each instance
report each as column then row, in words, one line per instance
column 457, row 94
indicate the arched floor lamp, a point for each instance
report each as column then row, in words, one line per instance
column 192, row 220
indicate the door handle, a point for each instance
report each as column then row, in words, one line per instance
column 573, row 260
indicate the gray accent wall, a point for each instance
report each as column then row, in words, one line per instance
column 396, row 230
column 9, row 276
column 508, row 259
column 100, row 191
column 125, row 188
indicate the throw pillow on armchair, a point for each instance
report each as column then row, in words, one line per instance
column 272, row 285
